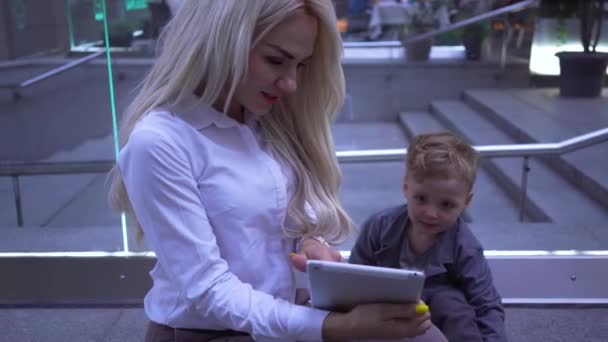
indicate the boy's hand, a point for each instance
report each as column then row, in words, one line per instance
column 313, row 250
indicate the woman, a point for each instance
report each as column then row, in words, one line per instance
column 228, row 164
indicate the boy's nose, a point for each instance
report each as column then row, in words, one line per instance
column 431, row 212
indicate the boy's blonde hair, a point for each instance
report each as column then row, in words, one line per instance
column 442, row 155
column 205, row 48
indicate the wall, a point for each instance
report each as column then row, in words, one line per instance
column 32, row 27
column 381, row 90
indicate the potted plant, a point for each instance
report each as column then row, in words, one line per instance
column 473, row 35
column 424, row 17
column 120, row 33
column 582, row 74
column 473, row 38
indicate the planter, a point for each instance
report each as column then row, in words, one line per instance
column 123, row 40
column 419, row 51
column 473, row 41
column 473, row 49
column 552, row 36
column 582, row 74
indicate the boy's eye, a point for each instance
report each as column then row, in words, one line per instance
column 420, row 198
column 301, row 65
column 448, row 205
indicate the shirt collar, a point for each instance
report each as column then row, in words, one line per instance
column 200, row 115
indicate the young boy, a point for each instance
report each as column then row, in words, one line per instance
column 428, row 233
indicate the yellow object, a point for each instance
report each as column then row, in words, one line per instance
column 422, row 308
column 342, row 25
column 292, row 254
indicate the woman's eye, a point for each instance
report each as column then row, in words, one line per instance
column 274, row 60
column 419, row 198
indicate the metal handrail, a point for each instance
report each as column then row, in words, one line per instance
column 345, row 156
column 463, row 23
column 489, row 151
column 51, row 73
column 469, row 21
column 55, row 168
column 15, row 170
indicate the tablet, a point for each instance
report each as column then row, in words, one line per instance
column 340, row 286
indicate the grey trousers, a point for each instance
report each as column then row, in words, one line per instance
column 162, row 333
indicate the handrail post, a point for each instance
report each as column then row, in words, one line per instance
column 506, row 39
column 17, row 193
column 524, row 188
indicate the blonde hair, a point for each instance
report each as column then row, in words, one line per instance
column 205, row 47
column 443, row 155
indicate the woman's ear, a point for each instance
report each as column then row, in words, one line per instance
column 404, row 185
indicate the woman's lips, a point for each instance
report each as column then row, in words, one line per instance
column 269, row 98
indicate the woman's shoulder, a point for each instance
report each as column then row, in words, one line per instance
column 164, row 124
column 161, row 130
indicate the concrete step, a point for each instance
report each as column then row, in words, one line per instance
column 42, row 197
column 540, row 115
column 548, row 236
column 63, row 200
column 31, row 239
column 497, row 235
column 490, row 203
column 523, row 324
column 571, row 206
column 368, row 135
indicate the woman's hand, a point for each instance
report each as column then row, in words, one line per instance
column 376, row 321
column 313, row 249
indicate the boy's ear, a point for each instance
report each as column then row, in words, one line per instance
column 469, row 198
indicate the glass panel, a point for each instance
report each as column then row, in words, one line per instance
column 54, row 110
column 85, row 24
column 375, row 29
column 133, row 25
column 131, row 33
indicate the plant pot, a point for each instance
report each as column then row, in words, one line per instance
column 472, row 49
column 121, row 40
column 473, row 38
column 582, row 74
column 419, row 51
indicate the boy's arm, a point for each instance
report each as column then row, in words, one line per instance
column 363, row 251
column 476, row 281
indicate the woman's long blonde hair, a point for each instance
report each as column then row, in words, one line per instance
column 206, row 47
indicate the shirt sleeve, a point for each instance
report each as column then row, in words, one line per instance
column 362, row 252
column 478, row 287
column 165, row 199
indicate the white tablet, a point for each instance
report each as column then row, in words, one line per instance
column 340, row 286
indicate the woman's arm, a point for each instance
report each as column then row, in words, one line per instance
column 165, row 199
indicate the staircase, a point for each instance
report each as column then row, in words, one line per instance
column 565, row 194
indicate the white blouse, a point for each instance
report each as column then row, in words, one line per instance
column 211, row 201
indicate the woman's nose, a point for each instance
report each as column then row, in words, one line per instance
column 288, row 83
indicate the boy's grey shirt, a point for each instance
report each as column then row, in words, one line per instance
column 456, row 260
